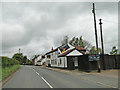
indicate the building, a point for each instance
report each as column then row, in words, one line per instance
column 69, row 58
column 63, row 55
column 34, row 60
column 41, row 60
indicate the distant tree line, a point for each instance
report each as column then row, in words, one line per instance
column 17, row 58
column 23, row 60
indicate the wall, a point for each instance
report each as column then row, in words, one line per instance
column 53, row 59
column 43, row 61
column 63, row 61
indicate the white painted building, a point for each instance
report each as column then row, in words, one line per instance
column 41, row 60
column 35, row 59
column 59, row 56
column 68, row 56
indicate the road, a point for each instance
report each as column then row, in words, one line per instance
column 39, row 77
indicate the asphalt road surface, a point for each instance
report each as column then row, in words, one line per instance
column 38, row 77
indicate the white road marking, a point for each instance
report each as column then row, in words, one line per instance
column 33, row 69
column 46, row 82
column 37, row 73
column 43, row 79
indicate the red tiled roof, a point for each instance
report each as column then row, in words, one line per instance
column 79, row 48
column 83, row 52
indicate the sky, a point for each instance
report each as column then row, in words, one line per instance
column 36, row 27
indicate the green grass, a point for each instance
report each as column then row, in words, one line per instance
column 8, row 71
column 0, row 73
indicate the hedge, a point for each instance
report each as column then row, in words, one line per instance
column 6, row 62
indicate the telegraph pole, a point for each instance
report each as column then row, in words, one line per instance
column 102, row 42
column 96, row 35
column 101, row 35
column 19, row 50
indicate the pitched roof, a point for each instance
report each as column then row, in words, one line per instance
column 40, row 60
column 35, row 57
column 79, row 48
column 67, row 52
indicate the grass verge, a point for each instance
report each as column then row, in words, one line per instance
column 6, row 72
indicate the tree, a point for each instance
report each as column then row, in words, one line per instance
column 114, row 51
column 80, row 42
column 93, row 50
column 24, row 59
column 19, row 56
column 75, row 41
column 72, row 42
column 28, row 62
column 65, row 40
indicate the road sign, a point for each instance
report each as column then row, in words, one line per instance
column 94, row 57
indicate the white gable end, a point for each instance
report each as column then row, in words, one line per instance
column 74, row 53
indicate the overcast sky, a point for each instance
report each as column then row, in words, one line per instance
column 36, row 27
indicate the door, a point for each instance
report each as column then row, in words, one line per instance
column 70, row 63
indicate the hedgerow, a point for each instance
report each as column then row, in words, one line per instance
column 7, row 62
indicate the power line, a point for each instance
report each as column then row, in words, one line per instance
column 111, row 41
column 111, row 21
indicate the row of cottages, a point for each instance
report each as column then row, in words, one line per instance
column 34, row 60
column 39, row 60
column 65, row 56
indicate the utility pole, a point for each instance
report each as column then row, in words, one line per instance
column 101, row 35
column 96, row 35
column 102, row 42
column 19, row 50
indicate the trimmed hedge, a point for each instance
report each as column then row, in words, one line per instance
column 7, row 66
column 7, row 62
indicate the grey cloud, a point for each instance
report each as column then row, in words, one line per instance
column 45, row 24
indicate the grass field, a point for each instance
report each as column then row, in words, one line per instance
column 8, row 71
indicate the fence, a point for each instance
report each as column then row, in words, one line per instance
column 109, row 62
